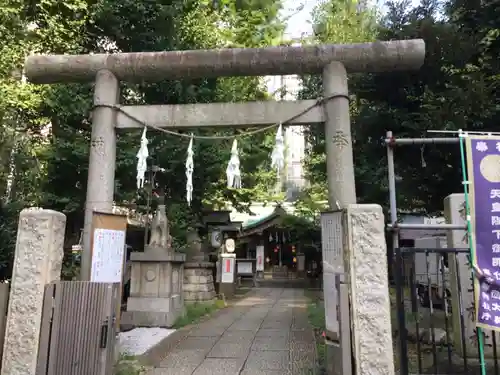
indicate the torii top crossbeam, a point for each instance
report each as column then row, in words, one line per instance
column 154, row 66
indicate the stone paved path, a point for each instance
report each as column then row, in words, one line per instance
column 266, row 333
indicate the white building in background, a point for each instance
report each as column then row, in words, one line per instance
column 287, row 88
column 298, row 15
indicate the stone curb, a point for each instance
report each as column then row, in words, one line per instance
column 155, row 355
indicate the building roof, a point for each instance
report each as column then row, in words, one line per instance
column 261, row 220
column 258, row 211
column 257, row 224
column 134, row 218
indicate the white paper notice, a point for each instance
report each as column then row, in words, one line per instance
column 228, row 270
column 107, row 256
column 244, row 268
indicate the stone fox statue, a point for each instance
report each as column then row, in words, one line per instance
column 160, row 233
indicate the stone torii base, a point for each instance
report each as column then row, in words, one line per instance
column 333, row 61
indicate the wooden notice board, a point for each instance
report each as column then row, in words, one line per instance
column 108, row 251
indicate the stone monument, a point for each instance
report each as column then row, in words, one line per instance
column 156, row 298
column 198, row 271
column 37, row 262
column 365, row 257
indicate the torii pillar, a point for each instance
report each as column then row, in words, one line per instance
column 106, row 70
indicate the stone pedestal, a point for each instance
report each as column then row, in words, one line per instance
column 198, row 282
column 227, row 284
column 156, row 290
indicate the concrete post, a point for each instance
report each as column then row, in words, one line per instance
column 339, row 154
column 102, row 159
column 37, row 262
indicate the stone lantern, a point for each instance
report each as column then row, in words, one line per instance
column 198, row 271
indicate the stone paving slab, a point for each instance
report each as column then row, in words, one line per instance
column 184, row 358
column 230, row 350
column 267, row 333
column 237, row 336
column 244, row 327
column 207, row 332
column 216, row 366
column 248, row 320
column 268, row 360
column 282, row 325
column 203, row 343
column 273, row 333
column 265, row 372
column 271, row 343
column 258, row 310
column 188, row 370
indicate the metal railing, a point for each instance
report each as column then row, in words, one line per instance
column 423, row 278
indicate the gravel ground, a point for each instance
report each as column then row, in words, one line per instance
column 139, row 340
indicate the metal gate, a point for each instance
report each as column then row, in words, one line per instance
column 78, row 330
column 424, row 329
column 421, row 304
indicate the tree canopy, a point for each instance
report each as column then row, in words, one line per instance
column 457, row 88
column 45, row 130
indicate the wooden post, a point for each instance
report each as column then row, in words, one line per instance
column 104, row 258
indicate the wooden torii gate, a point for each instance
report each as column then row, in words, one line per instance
column 333, row 61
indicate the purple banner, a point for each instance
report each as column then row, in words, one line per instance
column 483, row 165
